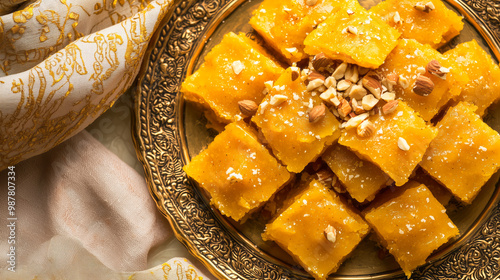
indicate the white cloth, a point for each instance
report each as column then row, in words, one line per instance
column 82, row 213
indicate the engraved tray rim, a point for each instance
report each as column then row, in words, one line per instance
column 158, row 143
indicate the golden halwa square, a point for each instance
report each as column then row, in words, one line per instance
column 237, row 171
column 353, row 35
column 483, row 87
column 411, row 224
column 397, row 145
column 465, row 153
column 283, row 119
column 435, row 27
column 234, row 70
column 318, row 229
column 408, row 61
column 361, row 178
column 285, row 24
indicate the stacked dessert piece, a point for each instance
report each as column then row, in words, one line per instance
column 355, row 101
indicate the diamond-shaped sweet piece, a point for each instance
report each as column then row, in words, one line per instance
column 435, row 27
column 234, row 70
column 237, row 171
column 483, row 87
column 411, row 224
column 284, row 120
column 465, row 153
column 353, row 35
column 408, row 61
column 317, row 229
column 285, row 24
column 398, row 144
column 361, row 179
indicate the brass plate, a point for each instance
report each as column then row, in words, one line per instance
column 168, row 132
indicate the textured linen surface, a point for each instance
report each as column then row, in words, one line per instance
column 82, row 213
column 53, row 100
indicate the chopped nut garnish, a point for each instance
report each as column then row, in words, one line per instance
column 317, row 113
column 343, row 85
column 330, row 234
column 434, row 68
column 278, row 99
column 330, row 82
column 335, row 101
column 312, row 85
column 356, row 107
column 311, row 2
column 351, row 73
column 350, row 12
column 423, row 86
column 248, row 107
column 396, row 18
column 263, row 106
column 355, row 121
column 424, row 7
column 328, row 94
column 344, row 108
column 392, row 78
column 325, row 176
column 421, row 70
column 350, row 29
column 291, row 50
column 357, row 92
column 340, row 71
column 313, row 75
column 403, row 82
column 269, row 84
column 237, row 67
column 402, row 144
column 388, row 96
column 390, row 107
column 368, row 102
column 362, row 70
column 365, row 129
column 320, row 62
column 373, row 85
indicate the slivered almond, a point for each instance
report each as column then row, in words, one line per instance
column 317, row 113
column 248, row 107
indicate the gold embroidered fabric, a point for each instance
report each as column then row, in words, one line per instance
column 63, row 63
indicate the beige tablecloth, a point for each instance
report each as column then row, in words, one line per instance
column 77, row 209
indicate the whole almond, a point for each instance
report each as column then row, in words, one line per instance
column 317, row 113
column 248, row 107
column 434, row 68
column 423, row 86
column 321, row 62
column 390, row 107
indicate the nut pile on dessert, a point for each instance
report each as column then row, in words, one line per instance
column 352, row 102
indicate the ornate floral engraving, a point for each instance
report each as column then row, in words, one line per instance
column 160, row 149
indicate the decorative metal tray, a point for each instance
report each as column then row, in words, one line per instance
column 168, row 132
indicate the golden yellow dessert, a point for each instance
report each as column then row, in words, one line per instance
column 483, row 86
column 398, row 143
column 284, row 25
column 237, row 171
column 234, row 70
column 411, row 224
column 284, row 118
column 353, row 35
column 413, row 63
column 428, row 22
column 465, row 153
column 361, row 178
column 318, row 229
